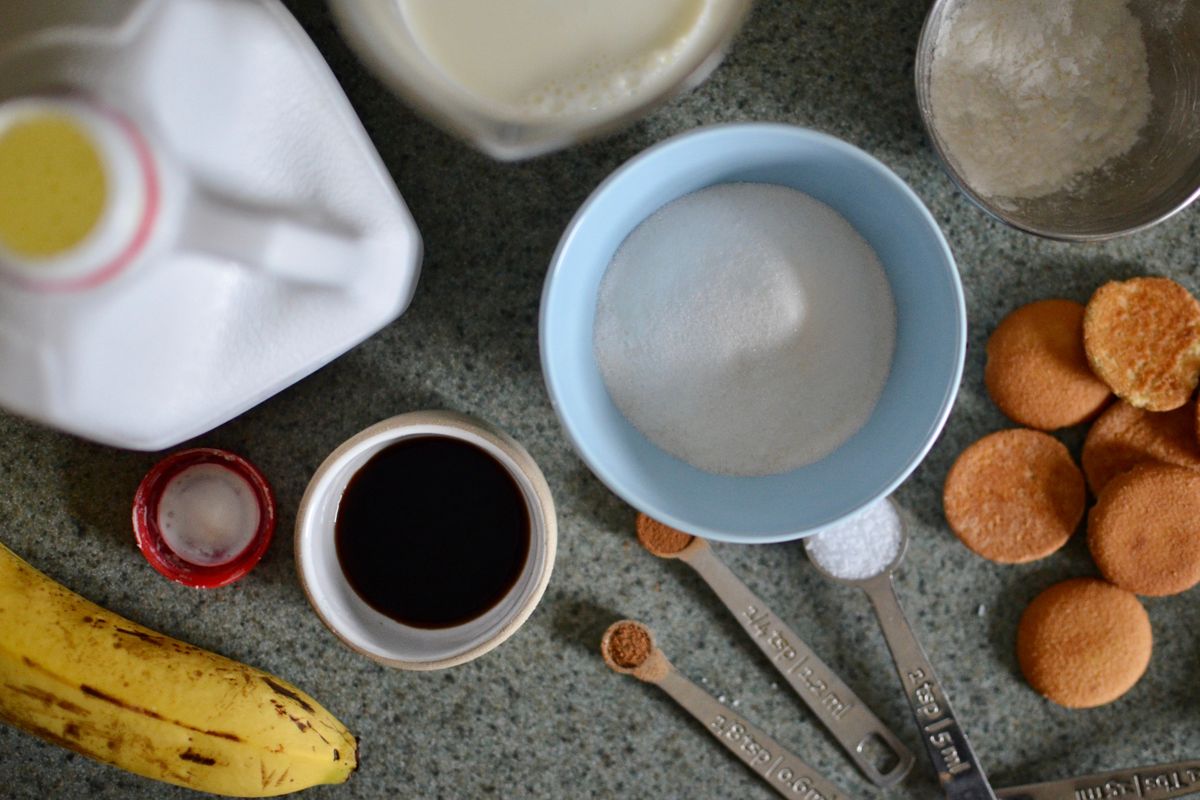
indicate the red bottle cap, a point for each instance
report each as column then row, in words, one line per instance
column 203, row 517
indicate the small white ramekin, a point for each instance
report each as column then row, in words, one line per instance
column 375, row 635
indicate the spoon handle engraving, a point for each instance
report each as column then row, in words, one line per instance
column 954, row 760
column 784, row 771
column 1160, row 781
column 834, row 703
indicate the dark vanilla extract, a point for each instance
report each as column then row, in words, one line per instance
column 432, row 531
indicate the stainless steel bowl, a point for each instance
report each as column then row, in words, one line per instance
column 1158, row 178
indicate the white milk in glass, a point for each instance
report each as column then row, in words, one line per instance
column 547, row 58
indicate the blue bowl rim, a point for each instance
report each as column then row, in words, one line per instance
column 629, row 493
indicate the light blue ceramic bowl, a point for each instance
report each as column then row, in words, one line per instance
column 926, row 369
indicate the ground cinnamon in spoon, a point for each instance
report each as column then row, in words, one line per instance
column 660, row 539
column 628, row 645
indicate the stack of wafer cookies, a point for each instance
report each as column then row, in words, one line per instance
column 1017, row 496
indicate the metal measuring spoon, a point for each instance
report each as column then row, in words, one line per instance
column 834, row 703
column 783, row 771
column 956, row 764
column 1160, row 781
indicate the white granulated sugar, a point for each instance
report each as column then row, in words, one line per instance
column 746, row 329
column 1030, row 95
column 860, row 547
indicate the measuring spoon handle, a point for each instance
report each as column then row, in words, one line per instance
column 834, row 703
column 785, row 772
column 1160, row 781
column 957, row 767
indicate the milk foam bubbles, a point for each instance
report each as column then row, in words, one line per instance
column 746, row 329
column 559, row 57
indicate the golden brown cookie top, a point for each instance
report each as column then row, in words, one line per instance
column 1037, row 371
column 1124, row 437
column 1084, row 642
column 1014, row 496
column 1144, row 531
column 1142, row 338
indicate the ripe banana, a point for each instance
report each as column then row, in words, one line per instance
column 78, row 676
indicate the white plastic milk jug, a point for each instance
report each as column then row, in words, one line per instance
column 191, row 216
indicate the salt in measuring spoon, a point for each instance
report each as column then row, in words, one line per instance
column 1161, row 781
column 866, row 557
column 628, row 648
column 835, row 704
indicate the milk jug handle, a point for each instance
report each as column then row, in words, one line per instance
column 279, row 242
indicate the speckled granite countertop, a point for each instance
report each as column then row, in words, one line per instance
column 542, row 716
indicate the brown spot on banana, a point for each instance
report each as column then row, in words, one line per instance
column 157, row 641
column 48, row 699
column 288, row 693
column 42, row 696
column 92, row 691
column 196, row 758
column 54, row 738
column 306, row 725
column 71, row 708
column 29, row 662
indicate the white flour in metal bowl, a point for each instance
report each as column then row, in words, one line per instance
column 1030, row 95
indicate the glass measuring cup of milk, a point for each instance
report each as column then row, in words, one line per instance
column 518, row 78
